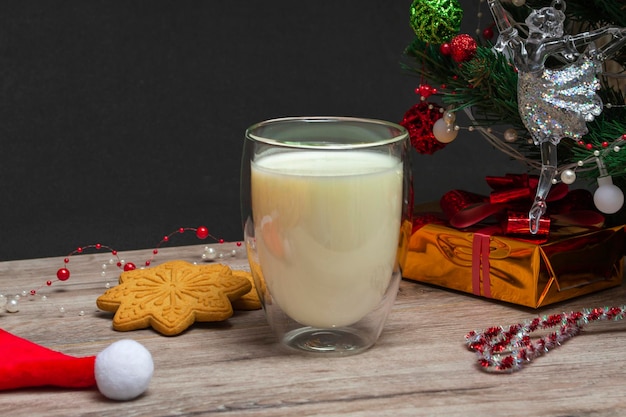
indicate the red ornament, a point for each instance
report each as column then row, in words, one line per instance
column 129, row 266
column 488, row 33
column 445, row 49
column 63, row 274
column 202, row 232
column 419, row 121
column 463, row 47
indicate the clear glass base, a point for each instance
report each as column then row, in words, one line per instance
column 328, row 342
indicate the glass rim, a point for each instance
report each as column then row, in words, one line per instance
column 402, row 133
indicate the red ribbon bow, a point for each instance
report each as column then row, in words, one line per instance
column 510, row 201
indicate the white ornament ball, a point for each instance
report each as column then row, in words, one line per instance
column 568, row 176
column 608, row 198
column 443, row 132
column 123, row 370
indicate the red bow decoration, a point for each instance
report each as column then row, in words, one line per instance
column 510, row 201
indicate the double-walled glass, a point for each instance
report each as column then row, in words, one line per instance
column 325, row 206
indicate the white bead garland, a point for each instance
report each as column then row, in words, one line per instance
column 510, row 135
column 568, row 176
column 13, row 306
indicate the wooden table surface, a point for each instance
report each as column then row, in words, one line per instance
column 419, row 367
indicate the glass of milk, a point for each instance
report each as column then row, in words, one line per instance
column 326, row 207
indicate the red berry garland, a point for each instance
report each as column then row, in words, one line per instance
column 63, row 274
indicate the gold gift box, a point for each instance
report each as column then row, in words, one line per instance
column 516, row 271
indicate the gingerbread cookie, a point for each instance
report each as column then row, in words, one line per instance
column 249, row 301
column 172, row 296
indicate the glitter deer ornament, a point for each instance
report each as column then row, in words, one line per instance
column 556, row 102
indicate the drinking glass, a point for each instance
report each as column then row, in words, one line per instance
column 326, row 217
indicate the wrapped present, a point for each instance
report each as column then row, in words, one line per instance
column 481, row 246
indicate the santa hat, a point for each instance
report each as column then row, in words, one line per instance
column 122, row 371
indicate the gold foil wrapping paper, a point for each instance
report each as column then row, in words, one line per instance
column 516, row 271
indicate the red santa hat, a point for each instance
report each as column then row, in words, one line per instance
column 122, row 371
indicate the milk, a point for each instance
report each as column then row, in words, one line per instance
column 327, row 228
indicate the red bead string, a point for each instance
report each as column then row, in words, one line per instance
column 201, row 233
column 63, row 273
column 507, row 348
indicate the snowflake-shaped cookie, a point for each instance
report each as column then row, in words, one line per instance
column 172, row 296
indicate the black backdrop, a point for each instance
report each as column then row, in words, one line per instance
column 121, row 121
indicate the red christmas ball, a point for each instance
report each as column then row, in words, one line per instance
column 419, row 121
column 129, row 266
column 463, row 47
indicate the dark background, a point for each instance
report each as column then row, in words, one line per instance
column 121, row 121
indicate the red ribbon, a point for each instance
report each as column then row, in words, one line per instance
column 510, row 201
column 480, row 258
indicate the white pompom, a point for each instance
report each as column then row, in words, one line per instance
column 123, row 370
column 608, row 198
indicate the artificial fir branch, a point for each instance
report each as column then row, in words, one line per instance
column 487, row 85
column 490, row 88
column 593, row 12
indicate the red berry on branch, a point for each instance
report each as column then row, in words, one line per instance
column 445, row 49
column 488, row 33
column 425, row 91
